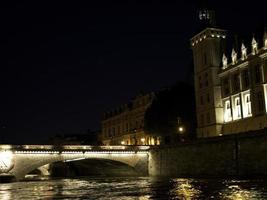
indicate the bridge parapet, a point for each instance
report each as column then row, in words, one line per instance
column 82, row 148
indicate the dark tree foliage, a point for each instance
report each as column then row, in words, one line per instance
column 168, row 105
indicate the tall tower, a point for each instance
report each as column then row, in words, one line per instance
column 207, row 49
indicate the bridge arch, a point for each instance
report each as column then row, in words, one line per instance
column 27, row 161
column 92, row 167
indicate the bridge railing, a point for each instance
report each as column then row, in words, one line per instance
column 74, row 148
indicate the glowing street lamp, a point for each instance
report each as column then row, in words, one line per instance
column 122, row 143
column 180, row 126
column 181, row 129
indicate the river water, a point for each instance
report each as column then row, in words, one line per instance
column 142, row 188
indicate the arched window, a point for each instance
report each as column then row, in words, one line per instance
column 227, row 111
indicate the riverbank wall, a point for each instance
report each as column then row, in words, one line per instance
column 243, row 155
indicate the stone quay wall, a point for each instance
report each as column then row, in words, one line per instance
column 243, row 155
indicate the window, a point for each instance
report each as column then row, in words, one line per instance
column 236, row 83
column 260, row 101
column 206, row 79
column 208, row 98
column 257, row 73
column 227, row 111
column 245, row 78
column 226, row 86
column 237, row 108
column 247, row 106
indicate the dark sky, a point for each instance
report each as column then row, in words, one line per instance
column 64, row 63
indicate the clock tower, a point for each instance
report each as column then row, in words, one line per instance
column 207, row 47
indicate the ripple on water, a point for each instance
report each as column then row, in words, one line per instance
column 141, row 188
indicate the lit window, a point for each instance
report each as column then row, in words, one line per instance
column 247, row 106
column 237, row 108
column 227, row 111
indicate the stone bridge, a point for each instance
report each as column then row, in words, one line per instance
column 18, row 160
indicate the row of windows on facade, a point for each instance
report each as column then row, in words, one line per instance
column 204, row 99
column 240, row 106
column 145, row 140
column 205, row 119
column 134, row 120
column 117, row 130
column 203, row 81
column 242, row 80
column 124, row 119
column 202, row 58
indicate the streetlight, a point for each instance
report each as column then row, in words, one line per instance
column 181, row 129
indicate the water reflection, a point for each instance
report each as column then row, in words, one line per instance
column 244, row 190
column 135, row 188
column 185, row 189
column 5, row 193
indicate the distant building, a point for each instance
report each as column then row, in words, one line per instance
column 231, row 94
column 125, row 125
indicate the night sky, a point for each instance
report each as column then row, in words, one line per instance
column 63, row 64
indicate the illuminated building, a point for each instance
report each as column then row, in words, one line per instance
column 125, row 125
column 231, row 94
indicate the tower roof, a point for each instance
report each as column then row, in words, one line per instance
column 206, row 15
column 208, row 33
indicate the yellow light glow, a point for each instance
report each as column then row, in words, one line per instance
column 246, row 106
column 227, row 111
column 122, row 143
column 75, row 159
column 6, row 161
column 5, row 147
column 143, row 140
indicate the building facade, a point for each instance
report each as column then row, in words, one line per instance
column 125, row 125
column 231, row 97
column 207, row 51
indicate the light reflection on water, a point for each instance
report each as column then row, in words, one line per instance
column 136, row 188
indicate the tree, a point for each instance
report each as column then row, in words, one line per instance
column 177, row 102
